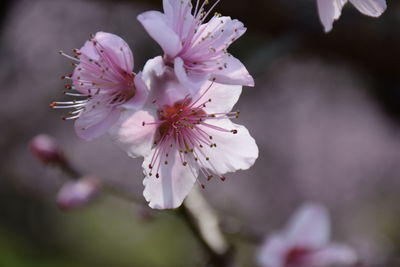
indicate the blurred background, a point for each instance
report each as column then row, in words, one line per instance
column 325, row 113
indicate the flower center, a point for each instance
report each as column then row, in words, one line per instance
column 96, row 82
column 184, row 127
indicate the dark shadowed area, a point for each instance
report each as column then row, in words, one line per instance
column 325, row 113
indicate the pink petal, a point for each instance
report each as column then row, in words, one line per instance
column 96, row 121
column 373, row 8
column 273, row 251
column 141, row 93
column 233, row 72
column 223, row 97
column 179, row 17
column 158, row 28
column 164, row 85
column 329, row 11
column 116, row 55
column 130, row 134
column 309, row 227
column 173, row 185
column 334, row 254
column 233, row 152
column 191, row 81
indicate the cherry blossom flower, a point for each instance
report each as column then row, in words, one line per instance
column 184, row 136
column 197, row 50
column 305, row 243
column 330, row 10
column 104, row 83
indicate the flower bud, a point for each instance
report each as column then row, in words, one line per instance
column 46, row 149
column 76, row 194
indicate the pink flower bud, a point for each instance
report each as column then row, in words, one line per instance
column 76, row 194
column 46, row 149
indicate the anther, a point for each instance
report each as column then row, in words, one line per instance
column 157, row 175
column 234, row 131
column 184, row 163
column 165, row 162
column 223, row 178
column 209, row 177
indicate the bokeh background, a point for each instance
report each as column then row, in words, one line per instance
column 325, row 113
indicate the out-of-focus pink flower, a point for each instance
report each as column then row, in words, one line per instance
column 46, row 149
column 197, row 50
column 104, row 83
column 184, row 136
column 305, row 243
column 76, row 194
column 330, row 10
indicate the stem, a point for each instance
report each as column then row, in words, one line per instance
column 201, row 219
column 204, row 224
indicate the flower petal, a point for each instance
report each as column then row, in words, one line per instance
column 329, row 11
column 309, row 227
column 96, row 121
column 192, row 82
column 223, row 97
column 158, row 28
column 233, row 72
column 130, row 134
column 163, row 83
column 173, row 185
column 373, row 8
column 179, row 17
column 116, row 49
column 273, row 252
column 233, row 151
column 334, row 254
column 141, row 93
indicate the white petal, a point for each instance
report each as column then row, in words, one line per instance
column 130, row 134
column 309, row 227
column 223, row 97
column 173, row 185
column 334, row 254
column 141, row 93
column 163, row 84
column 329, row 11
column 157, row 27
column 95, row 121
column 192, row 82
column 233, row 152
column 233, row 72
column 373, row 8
column 273, row 252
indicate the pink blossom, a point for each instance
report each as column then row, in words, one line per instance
column 47, row 150
column 330, row 10
column 305, row 242
column 104, row 83
column 76, row 194
column 197, row 50
column 181, row 136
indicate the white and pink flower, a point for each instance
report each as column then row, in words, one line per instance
column 104, row 83
column 181, row 136
column 305, row 243
column 197, row 49
column 330, row 10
